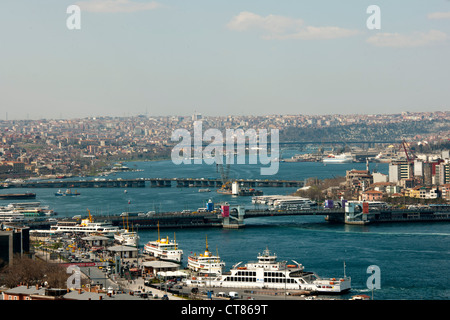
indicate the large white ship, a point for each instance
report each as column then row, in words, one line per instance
column 86, row 226
column 269, row 273
column 206, row 263
column 341, row 158
column 126, row 237
column 164, row 249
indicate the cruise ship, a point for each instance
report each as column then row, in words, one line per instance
column 206, row 263
column 341, row 158
column 164, row 249
column 269, row 273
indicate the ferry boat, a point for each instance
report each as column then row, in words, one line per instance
column 11, row 216
column 294, row 203
column 269, row 273
column 127, row 237
column 341, row 158
column 206, row 263
column 164, row 249
column 86, row 226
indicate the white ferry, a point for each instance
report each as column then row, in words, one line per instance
column 127, row 238
column 300, row 203
column 86, row 226
column 164, row 249
column 269, row 273
column 206, row 263
column 11, row 216
column 29, row 209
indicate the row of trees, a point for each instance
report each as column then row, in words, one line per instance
column 24, row 270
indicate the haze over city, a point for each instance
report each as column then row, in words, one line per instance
column 219, row 58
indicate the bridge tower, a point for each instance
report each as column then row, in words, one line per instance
column 233, row 222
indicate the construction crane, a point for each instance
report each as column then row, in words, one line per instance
column 90, row 217
column 410, row 156
column 225, row 176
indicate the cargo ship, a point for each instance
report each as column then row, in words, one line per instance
column 9, row 196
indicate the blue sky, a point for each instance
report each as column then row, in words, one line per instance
column 222, row 58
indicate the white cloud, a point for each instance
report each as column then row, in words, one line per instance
column 439, row 15
column 417, row 39
column 281, row 27
column 272, row 23
column 113, row 6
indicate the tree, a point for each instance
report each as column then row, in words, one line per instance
column 32, row 272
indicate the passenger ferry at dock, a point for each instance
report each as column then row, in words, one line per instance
column 268, row 273
column 164, row 249
column 127, row 238
column 86, row 226
column 11, row 216
column 206, row 263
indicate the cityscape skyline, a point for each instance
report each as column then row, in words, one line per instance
column 163, row 58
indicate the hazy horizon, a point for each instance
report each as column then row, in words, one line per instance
column 241, row 58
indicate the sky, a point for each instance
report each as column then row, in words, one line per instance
column 219, row 58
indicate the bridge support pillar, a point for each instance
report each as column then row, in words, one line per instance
column 232, row 222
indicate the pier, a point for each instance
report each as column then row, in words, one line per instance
column 156, row 183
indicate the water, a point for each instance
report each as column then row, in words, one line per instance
column 413, row 257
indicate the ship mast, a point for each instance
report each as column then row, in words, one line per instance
column 159, row 240
column 175, row 240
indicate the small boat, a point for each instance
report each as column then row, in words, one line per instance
column 204, row 190
column 67, row 193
